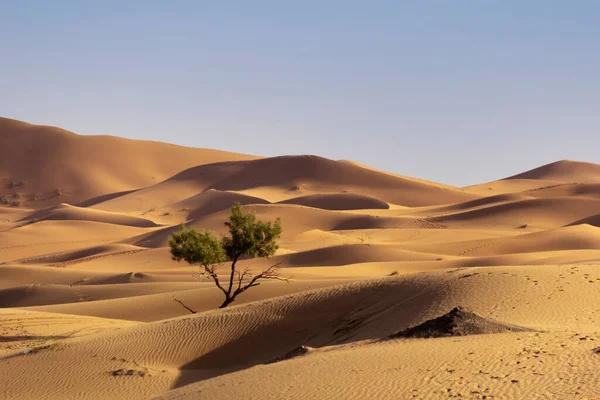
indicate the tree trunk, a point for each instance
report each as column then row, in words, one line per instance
column 227, row 301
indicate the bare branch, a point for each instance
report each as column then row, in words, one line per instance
column 184, row 306
column 270, row 273
column 241, row 277
column 210, row 270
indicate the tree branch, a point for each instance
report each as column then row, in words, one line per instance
column 184, row 306
column 210, row 270
column 233, row 262
column 269, row 273
column 241, row 277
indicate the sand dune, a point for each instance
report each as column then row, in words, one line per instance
column 40, row 294
column 88, row 285
column 431, row 183
column 350, row 254
column 47, row 237
column 591, row 190
column 69, row 258
column 423, row 235
column 433, row 369
column 213, row 201
column 289, row 177
column 296, row 219
column 21, row 275
column 424, row 367
column 340, row 201
column 545, row 177
column 160, row 306
column 36, row 331
column 476, row 204
column 235, row 339
column 580, row 237
column 563, row 171
column 508, row 186
column 539, row 212
column 66, row 212
column 316, row 174
column 52, row 171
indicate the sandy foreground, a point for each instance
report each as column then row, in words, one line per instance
column 87, row 288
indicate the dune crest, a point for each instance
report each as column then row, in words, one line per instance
column 563, row 171
column 52, row 171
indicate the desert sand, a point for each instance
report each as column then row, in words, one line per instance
column 378, row 264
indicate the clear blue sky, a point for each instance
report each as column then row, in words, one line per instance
column 454, row 91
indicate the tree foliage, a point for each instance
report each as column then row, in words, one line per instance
column 248, row 237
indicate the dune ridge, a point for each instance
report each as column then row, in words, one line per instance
column 51, row 173
column 563, row 171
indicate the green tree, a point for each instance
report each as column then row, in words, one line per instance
column 248, row 238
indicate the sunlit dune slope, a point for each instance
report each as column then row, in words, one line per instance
column 211, row 201
column 66, row 212
column 546, row 176
column 539, row 212
column 338, row 201
column 507, row 186
column 257, row 333
column 50, row 237
column 563, row 171
column 45, row 165
column 281, row 178
column 93, row 306
column 350, row 254
column 579, row 237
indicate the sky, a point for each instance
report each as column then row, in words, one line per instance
column 459, row 92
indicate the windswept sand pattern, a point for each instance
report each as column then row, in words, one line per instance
column 472, row 250
column 429, row 223
column 32, row 330
column 91, row 301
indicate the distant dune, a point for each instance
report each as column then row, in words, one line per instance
column 309, row 179
column 338, row 201
column 563, row 171
column 551, row 176
column 507, row 186
column 66, row 212
column 45, row 163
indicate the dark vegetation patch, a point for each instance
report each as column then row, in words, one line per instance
column 458, row 322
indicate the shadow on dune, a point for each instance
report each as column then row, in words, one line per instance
column 257, row 334
column 100, row 199
column 289, row 337
column 21, row 338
